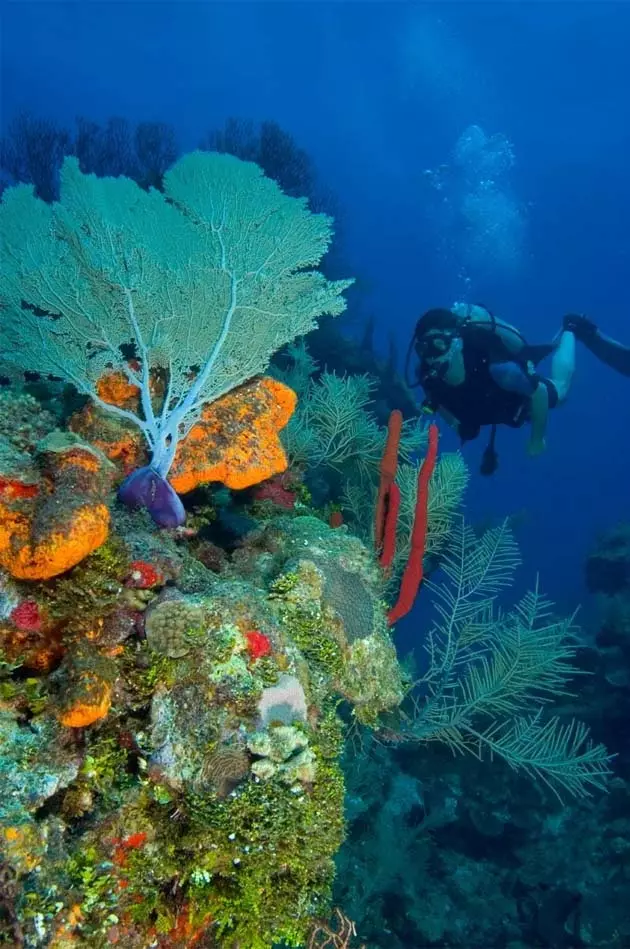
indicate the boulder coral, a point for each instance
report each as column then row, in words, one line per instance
column 53, row 509
column 329, row 596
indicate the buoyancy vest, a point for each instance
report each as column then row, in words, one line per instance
column 479, row 400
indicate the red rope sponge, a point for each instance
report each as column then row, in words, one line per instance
column 412, row 576
column 388, row 500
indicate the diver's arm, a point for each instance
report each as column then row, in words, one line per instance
column 539, row 415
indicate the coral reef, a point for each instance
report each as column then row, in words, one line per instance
column 174, row 703
column 608, row 565
column 484, row 858
column 441, row 853
column 178, row 778
column 607, row 692
column 194, row 719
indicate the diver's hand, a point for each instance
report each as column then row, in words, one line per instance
column 536, row 447
column 580, row 325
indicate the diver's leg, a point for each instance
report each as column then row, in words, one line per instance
column 539, row 411
column 563, row 364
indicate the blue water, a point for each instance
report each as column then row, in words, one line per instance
column 379, row 93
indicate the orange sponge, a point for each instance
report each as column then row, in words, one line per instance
column 237, row 438
column 49, row 525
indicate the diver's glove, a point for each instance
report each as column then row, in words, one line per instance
column 580, row 325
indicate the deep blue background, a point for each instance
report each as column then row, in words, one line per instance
column 378, row 92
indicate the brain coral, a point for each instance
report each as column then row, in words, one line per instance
column 224, row 768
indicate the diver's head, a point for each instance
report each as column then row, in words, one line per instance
column 435, row 331
column 436, row 340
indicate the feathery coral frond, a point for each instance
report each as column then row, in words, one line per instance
column 491, row 674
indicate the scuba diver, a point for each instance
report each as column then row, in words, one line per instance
column 607, row 350
column 477, row 370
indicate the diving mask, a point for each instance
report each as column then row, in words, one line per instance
column 435, row 345
column 436, row 352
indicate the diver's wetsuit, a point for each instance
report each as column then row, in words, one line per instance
column 480, row 400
